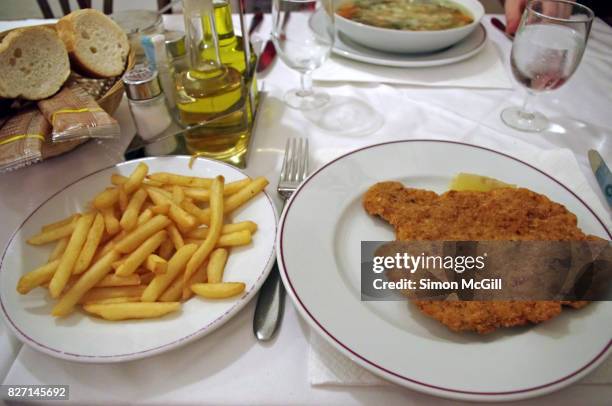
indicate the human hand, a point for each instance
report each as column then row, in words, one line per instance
column 514, row 10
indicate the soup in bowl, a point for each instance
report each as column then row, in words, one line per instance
column 408, row 26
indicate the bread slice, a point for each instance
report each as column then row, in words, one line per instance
column 34, row 63
column 97, row 46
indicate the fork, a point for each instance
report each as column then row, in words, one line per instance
column 271, row 300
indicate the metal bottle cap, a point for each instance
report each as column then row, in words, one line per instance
column 175, row 43
column 141, row 83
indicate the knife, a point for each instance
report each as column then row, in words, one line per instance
column 497, row 23
column 255, row 22
column 602, row 174
column 266, row 57
column 269, row 52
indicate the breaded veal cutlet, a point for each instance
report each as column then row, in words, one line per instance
column 499, row 214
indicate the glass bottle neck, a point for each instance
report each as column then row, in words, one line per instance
column 223, row 21
column 201, row 39
column 224, row 27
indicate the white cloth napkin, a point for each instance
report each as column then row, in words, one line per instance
column 483, row 70
column 327, row 366
column 10, row 347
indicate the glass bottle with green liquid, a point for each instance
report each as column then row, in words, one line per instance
column 210, row 95
column 231, row 47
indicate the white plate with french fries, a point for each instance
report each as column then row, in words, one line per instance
column 137, row 259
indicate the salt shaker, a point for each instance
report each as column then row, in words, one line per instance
column 148, row 108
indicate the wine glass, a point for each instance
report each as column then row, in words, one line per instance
column 547, row 49
column 300, row 47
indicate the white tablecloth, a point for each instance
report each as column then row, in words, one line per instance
column 230, row 366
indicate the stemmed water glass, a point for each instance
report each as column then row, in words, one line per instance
column 547, row 49
column 300, row 47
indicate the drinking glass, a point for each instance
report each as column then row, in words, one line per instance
column 300, row 47
column 547, row 49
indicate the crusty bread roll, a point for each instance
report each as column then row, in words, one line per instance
column 33, row 63
column 97, row 46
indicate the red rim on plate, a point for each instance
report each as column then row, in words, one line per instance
column 484, row 395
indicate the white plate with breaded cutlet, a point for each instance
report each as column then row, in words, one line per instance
column 496, row 352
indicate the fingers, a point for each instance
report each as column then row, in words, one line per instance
column 514, row 10
column 558, row 10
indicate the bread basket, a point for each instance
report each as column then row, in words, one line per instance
column 109, row 101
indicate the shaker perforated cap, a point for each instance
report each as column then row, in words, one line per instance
column 175, row 43
column 141, row 83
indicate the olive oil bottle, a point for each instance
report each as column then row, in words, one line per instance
column 210, row 95
column 231, row 48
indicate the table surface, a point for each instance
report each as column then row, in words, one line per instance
column 230, row 366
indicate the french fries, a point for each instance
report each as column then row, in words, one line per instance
column 234, row 239
column 221, row 290
column 140, row 254
column 106, row 198
column 176, row 265
column 175, row 236
column 59, row 249
column 118, row 263
column 52, row 234
column 161, row 208
column 129, row 219
column 125, row 311
column 60, row 223
column 148, row 243
column 37, row 277
column 123, row 199
column 70, row 256
column 175, row 290
column 201, row 215
column 151, row 182
column 156, row 264
column 216, row 223
column 177, row 194
column 238, row 199
column 227, row 240
column 245, row 194
column 91, row 245
column 183, row 220
column 131, row 241
column 180, row 180
column 117, row 179
column 166, row 249
column 200, row 233
column 109, row 245
column 203, row 195
column 136, row 178
column 112, row 280
column 165, row 193
column 122, row 299
column 216, row 264
column 110, row 221
column 89, row 279
column 145, row 216
column 146, row 279
column 99, row 294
